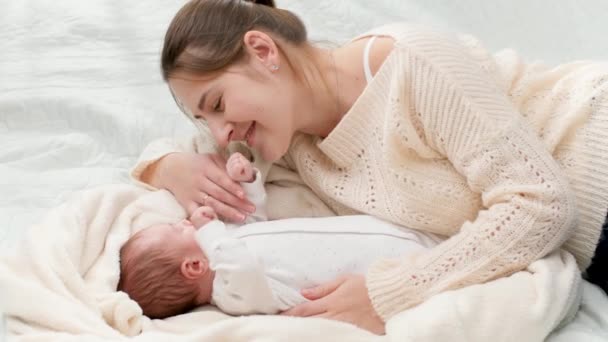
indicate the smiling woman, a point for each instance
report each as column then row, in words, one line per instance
column 219, row 79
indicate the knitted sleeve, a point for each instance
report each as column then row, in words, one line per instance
column 528, row 209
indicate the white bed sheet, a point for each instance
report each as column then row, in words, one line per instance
column 81, row 93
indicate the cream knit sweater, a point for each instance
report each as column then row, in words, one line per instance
column 506, row 159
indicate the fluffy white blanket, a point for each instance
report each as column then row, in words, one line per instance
column 59, row 284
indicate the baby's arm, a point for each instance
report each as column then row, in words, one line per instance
column 240, row 286
column 241, row 170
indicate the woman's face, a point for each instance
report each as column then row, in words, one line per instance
column 247, row 102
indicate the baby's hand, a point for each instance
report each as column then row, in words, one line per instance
column 202, row 215
column 239, row 168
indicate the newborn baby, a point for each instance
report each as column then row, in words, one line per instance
column 153, row 253
column 258, row 268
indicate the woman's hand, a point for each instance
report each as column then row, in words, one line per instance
column 344, row 299
column 200, row 180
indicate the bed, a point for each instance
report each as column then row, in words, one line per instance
column 81, row 93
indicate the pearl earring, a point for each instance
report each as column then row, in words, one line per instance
column 274, row 67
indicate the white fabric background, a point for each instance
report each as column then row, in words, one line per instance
column 81, row 93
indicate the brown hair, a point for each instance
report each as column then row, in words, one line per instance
column 152, row 278
column 206, row 36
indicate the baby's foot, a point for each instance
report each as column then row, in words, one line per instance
column 240, row 169
column 203, row 215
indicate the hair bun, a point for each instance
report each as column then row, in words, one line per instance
column 269, row 3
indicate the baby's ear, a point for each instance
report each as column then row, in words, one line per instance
column 194, row 268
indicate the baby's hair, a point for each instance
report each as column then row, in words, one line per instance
column 152, row 278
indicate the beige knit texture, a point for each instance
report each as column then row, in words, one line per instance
column 446, row 140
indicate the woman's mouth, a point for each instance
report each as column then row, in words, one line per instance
column 250, row 135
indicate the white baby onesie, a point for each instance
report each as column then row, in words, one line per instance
column 261, row 267
column 256, row 194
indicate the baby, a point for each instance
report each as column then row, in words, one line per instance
column 159, row 252
column 259, row 268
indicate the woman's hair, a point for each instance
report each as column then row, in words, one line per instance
column 152, row 277
column 206, row 36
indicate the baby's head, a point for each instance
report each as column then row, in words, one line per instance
column 164, row 270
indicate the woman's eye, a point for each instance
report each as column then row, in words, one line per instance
column 218, row 105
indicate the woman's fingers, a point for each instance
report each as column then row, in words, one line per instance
column 220, row 177
column 319, row 300
column 224, row 211
column 220, row 194
column 322, row 290
column 210, row 185
column 307, row 309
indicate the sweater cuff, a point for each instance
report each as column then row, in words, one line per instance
column 389, row 290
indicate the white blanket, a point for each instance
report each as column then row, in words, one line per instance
column 60, row 285
column 81, row 96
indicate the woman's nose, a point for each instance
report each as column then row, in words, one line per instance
column 222, row 131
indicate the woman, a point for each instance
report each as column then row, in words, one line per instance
column 403, row 123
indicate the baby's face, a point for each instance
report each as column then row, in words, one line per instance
column 180, row 235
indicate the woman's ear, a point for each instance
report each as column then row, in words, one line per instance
column 194, row 268
column 262, row 47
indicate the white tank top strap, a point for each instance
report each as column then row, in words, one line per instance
column 366, row 67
